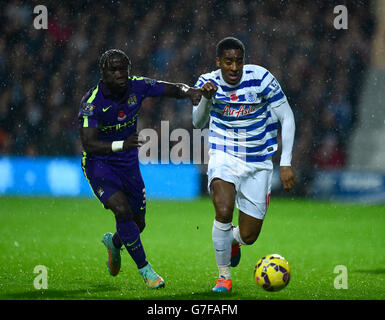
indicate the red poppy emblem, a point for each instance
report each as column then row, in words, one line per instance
column 233, row 97
column 121, row 115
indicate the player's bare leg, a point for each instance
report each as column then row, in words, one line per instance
column 248, row 229
column 223, row 197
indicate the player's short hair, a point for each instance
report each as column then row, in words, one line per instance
column 106, row 57
column 229, row 43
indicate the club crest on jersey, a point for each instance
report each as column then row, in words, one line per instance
column 132, row 100
column 251, row 96
column 121, row 115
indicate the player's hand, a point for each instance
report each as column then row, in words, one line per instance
column 194, row 95
column 287, row 177
column 209, row 89
column 132, row 141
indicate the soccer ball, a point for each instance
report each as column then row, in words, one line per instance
column 272, row 272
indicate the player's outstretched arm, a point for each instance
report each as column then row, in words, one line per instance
column 182, row 91
column 201, row 112
column 286, row 117
column 92, row 145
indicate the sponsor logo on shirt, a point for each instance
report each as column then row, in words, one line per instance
column 120, row 126
column 242, row 111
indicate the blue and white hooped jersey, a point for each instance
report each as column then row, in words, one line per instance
column 242, row 123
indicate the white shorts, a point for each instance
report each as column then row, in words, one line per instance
column 252, row 181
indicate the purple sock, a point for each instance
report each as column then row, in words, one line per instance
column 116, row 240
column 130, row 237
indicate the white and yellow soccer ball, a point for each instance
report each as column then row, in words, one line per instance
column 272, row 272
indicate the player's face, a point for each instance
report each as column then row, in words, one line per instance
column 231, row 64
column 115, row 75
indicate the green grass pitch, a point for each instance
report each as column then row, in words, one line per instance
column 64, row 235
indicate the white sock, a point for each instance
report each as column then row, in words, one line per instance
column 237, row 236
column 222, row 236
column 225, row 272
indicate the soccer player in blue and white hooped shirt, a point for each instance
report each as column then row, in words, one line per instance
column 243, row 104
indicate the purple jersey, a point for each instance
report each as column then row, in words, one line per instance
column 117, row 119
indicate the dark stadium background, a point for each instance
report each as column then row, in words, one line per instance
column 44, row 73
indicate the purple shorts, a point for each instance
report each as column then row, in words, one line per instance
column 106, row 179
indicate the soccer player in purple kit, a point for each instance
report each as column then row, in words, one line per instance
column 108, row 125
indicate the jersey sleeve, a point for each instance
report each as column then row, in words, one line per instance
column 88, row 114
column 272, row 92
column 150, row 87
column 203, row 79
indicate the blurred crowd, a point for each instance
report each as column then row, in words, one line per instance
column 44, row 73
